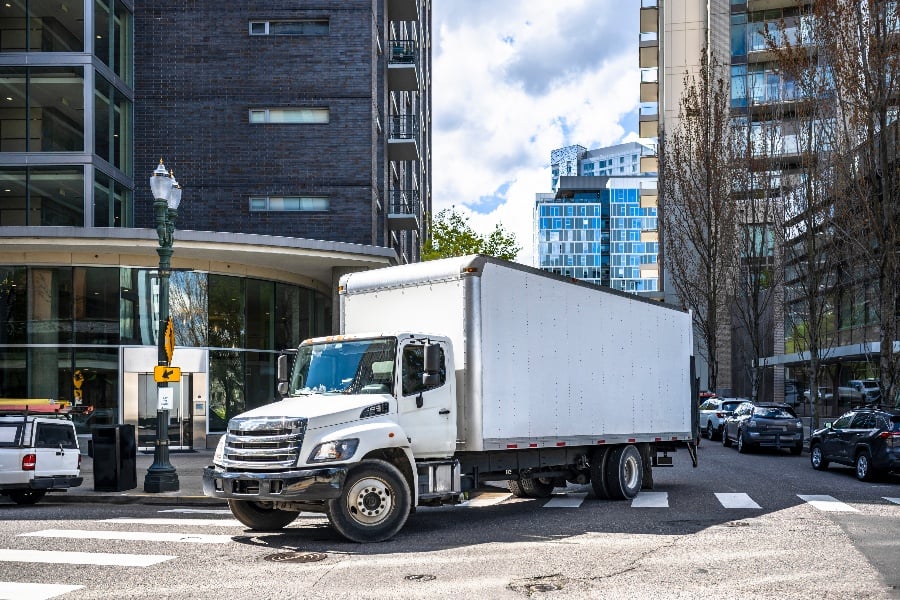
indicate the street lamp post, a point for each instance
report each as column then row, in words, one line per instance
column 161, row 476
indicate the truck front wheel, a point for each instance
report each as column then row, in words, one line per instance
column 374, row 504
column 257, row 516
column 624, row 472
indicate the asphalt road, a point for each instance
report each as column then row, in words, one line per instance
column 763, row 525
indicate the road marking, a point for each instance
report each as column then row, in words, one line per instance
column 136, row 536
column 566, row 501
column 200, row 522
column 894, row 500
column 82, row 558
column 827, row 503
column 729, row 500
column 487, row 499
column 11, row 590
column 651, row 500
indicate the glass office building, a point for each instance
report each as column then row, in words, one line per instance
column 596, row 230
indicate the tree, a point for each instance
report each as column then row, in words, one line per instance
column 698, row 216
column 451, row 235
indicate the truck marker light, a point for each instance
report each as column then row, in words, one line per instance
column 391, row 434
column 560, row 443
column 601, row 441
column 512, row 445
column 631, row 440
column 532, row 445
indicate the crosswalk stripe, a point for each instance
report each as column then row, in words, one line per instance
column 201, row 522
column 82, row 558
column 826, row 503
column 731, row 500
column 13, row 590
column 651, row 500
column 137, row 536
column 566, row 501
column 894, row 500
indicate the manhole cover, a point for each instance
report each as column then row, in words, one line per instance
column 534, row 585
column 543, row 587
column 296, row 557
column 420, row 577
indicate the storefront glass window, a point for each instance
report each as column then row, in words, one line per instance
column 226, row 388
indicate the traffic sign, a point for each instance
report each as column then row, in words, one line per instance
column 163, row 374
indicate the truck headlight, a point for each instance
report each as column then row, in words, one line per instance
column 219, row 456
column 336, row 450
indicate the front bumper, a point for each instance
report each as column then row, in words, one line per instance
column 774, row 440
column 284, row 486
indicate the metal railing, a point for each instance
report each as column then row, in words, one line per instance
column 404, row 127
column 403, row 51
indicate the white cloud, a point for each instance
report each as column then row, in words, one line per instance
column 511, row 81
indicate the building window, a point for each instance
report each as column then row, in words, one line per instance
column 113, row 33
column 299, row 27
column 289, row 115
column 42, row 27
column 288, row 203
column 42, row 109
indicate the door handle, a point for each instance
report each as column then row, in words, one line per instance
column 444, row 411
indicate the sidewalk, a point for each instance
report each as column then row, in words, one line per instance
column 188, row 465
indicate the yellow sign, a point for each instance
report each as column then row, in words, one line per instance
column 163, row 374
column 170, row 341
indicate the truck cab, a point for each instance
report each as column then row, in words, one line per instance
column 38, row 454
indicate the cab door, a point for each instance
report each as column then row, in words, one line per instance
column 427, row 414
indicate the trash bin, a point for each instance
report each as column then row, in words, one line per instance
column 115, row 458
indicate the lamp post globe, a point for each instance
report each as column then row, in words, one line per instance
column 162, row 476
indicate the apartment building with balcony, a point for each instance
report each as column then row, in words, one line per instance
column 299, row 132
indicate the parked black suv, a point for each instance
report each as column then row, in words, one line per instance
column 867, row 439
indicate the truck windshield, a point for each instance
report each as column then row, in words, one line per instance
column 354, row 367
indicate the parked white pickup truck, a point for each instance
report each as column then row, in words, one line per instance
column 38, row 453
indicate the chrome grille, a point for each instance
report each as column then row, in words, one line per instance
column 263, row 443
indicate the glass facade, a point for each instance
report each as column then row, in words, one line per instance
column 61, row 329
column 596, row 236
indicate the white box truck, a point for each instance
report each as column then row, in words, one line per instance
column 452, row 373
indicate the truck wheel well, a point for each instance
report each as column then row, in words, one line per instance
column 398, row 458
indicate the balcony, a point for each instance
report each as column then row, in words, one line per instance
column 650, row 271
column 648, row 121
column 403, row 138
column 649, row 164
column 403, row 65
column 649, row 196
column 403, row 210
column 649, row 235
column 403, row 10
column 649, row 85
column 649, row 52
column 649, row 16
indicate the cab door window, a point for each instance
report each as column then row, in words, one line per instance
column 414, row 367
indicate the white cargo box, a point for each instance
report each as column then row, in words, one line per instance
column 540, row 360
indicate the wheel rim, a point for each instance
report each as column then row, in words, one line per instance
column 740, row 440
column 630, row 471
column 709, row 430
column 816, row 456
column 370, row 501
column 862, row 466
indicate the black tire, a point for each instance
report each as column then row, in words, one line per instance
column 26, row 496
column 624, row 472
column 598, row 473
column 726, row 441
column 710, row 432
column 259, row 517
column 863, row 465
column 817, row 458
column 742, row 446
column 537, row 487
column 515, row 488
column 374, row 503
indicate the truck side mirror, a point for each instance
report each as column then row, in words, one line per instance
column 432, row 375
column 282, row 374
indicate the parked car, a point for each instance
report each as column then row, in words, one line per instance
column 791, row 392
column 846, row 395
column 772, row 425
column 867, row 439
column 713, row 413
column 869, row 387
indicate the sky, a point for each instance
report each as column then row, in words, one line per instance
column 513, row 80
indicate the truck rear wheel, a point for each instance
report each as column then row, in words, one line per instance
column 598, row 473
column 26, row 496
column 374, row 503
column 624, row 472
column 537, row 487
column 515, row 488
column 259, row 517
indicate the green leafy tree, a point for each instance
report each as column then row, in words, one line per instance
column 451, row 235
